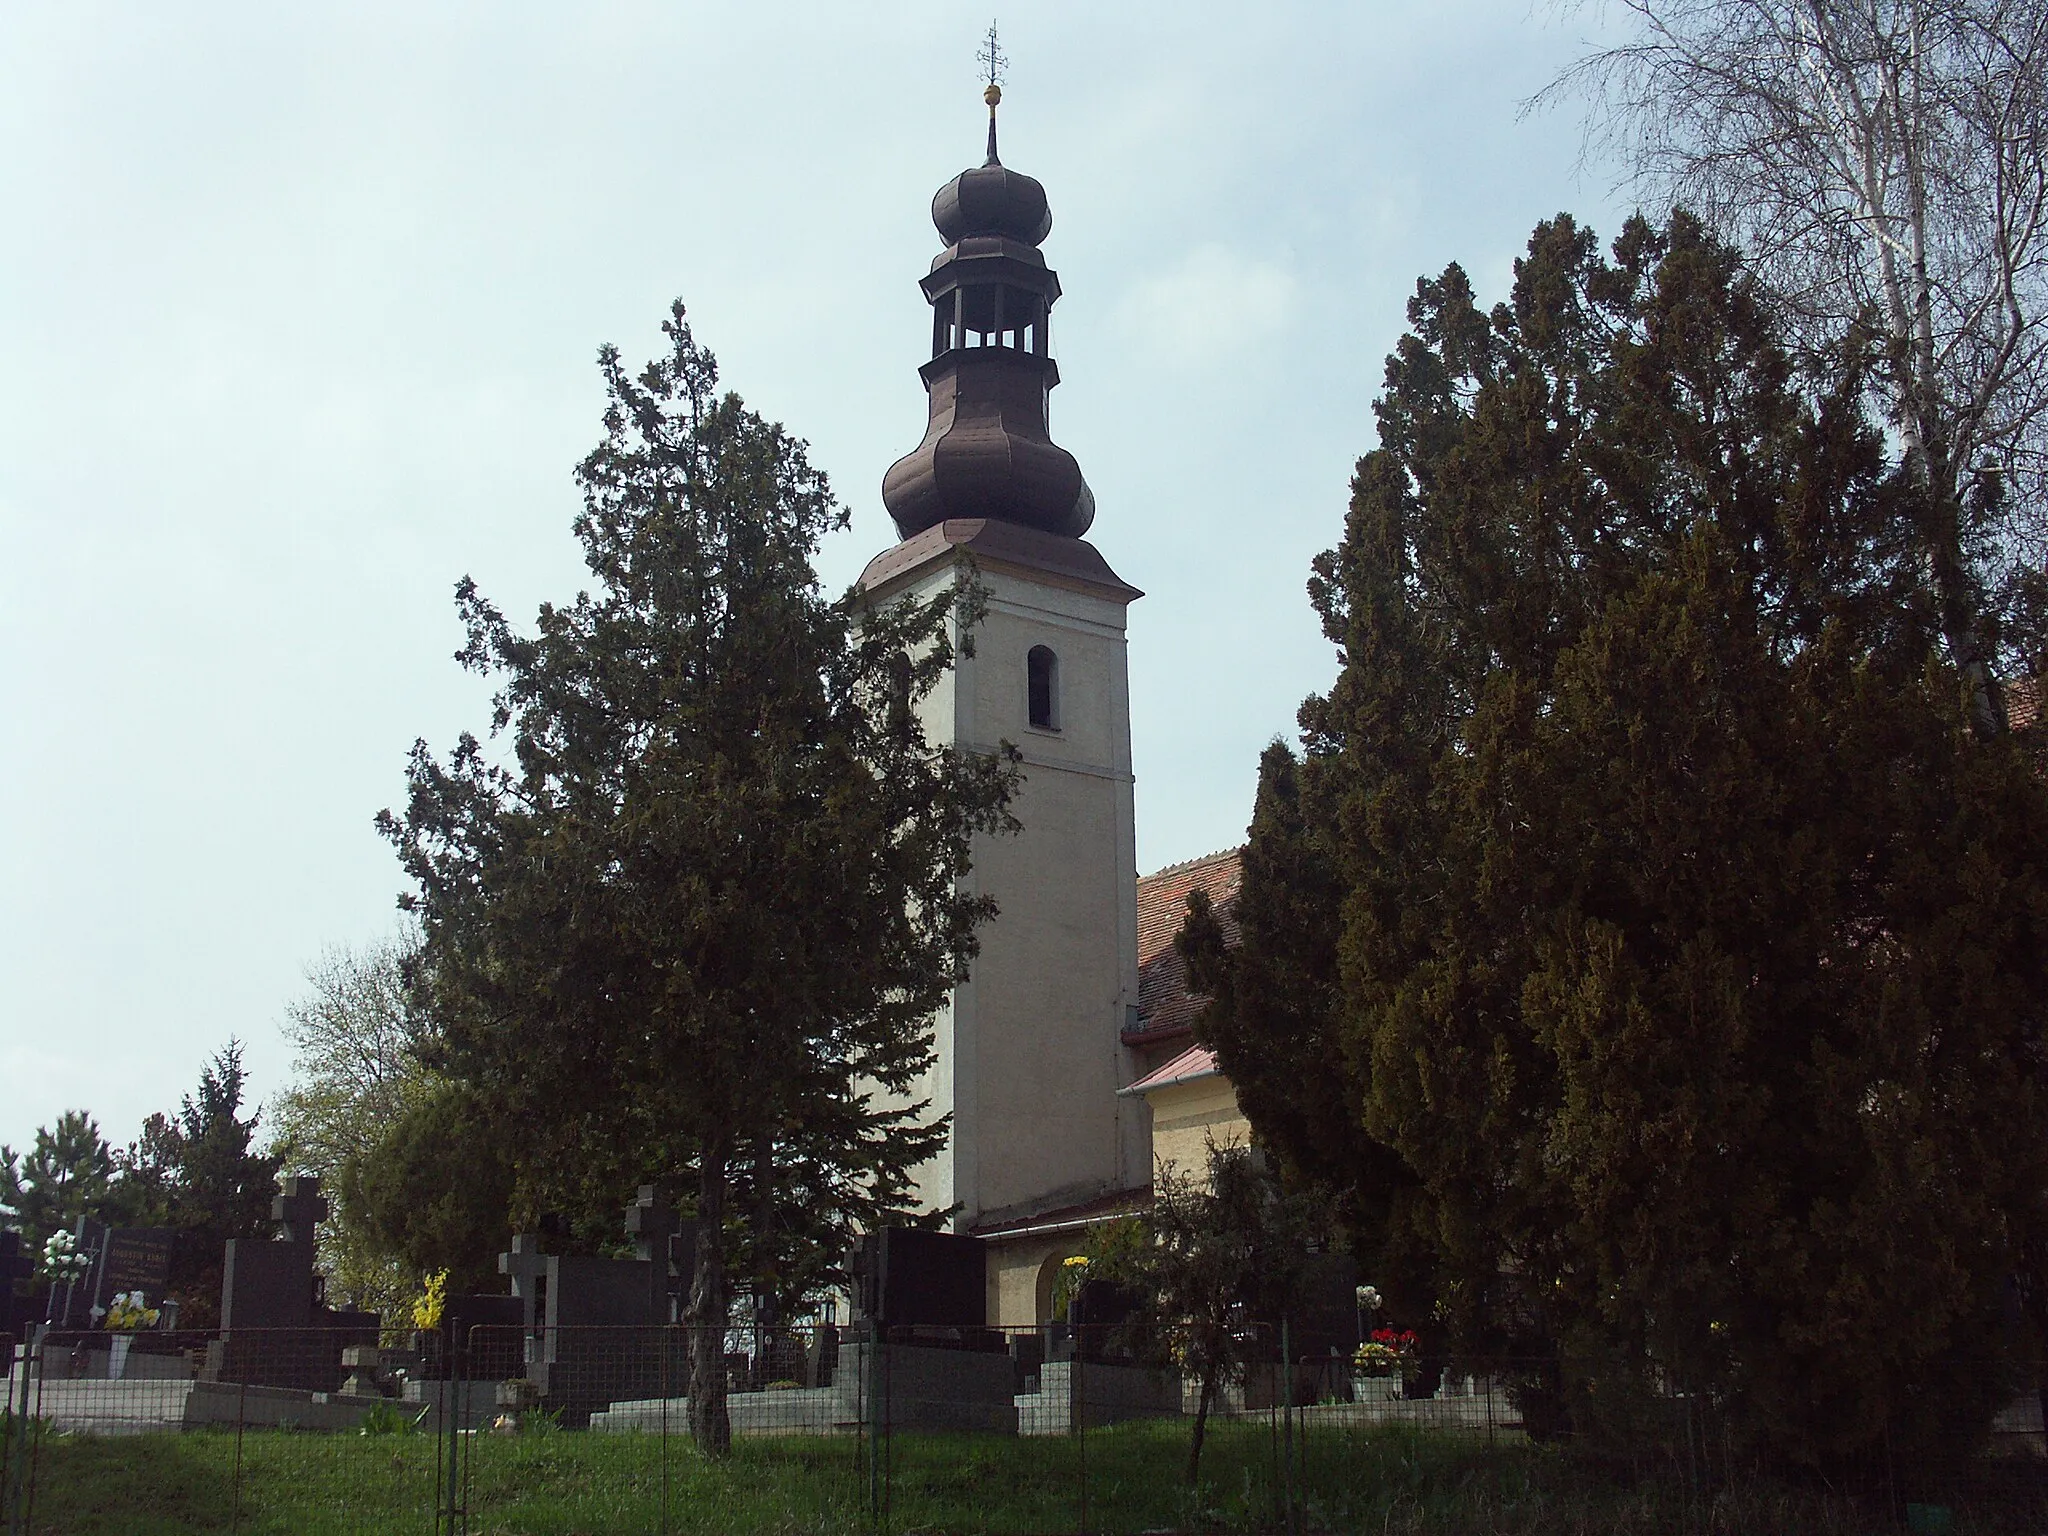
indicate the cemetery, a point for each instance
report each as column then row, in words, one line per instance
column 569, row 1380
column 583, row 1343
column 1633, row 961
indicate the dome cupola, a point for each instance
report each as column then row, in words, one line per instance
column 987, row 449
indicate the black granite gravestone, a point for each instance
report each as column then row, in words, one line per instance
column 1323, row 1328
column 1098, row 1321
column 136, row 1259
column 486, row 1332
column 275, row 1330
column 16, row 1266
column 668, row 1245
column 904, row 1278
column 597, row 1330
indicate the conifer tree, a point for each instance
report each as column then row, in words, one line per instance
column 710, row 893
column 197, row 1170
column 1680, row 938
column 66, row 1173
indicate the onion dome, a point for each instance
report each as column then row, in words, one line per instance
column 992, row 199
column 987, row 451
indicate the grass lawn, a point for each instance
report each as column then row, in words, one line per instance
column 1379, row 1480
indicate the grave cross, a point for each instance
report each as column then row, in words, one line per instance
column 651, row 1221
column 525, row 1264
column 528, row 1267
column 299, row 1209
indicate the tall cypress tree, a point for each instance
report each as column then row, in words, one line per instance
column 710, row 897
column 1687, row 946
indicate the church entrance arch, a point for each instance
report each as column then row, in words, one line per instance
column 1049, row 1281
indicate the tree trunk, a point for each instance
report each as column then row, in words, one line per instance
column 1956, row 603
column 1202, row 1401
column 710, row 1424
column 767, row 1316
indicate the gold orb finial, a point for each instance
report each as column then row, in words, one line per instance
column 992, row 95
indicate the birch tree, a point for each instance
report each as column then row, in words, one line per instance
column 355, row 1033
column 1885, row 163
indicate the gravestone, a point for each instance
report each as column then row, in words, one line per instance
column 1323, row 1327
column 275, row 1329
column 16, row 1266
column 118, row 1260
column 821, row 1353
column 136, row 1259
column 667, row 1244
column 1096, row 1321
column 904, row 1278
column 598, row 1330
column 921, row 1343
column 487, row 1333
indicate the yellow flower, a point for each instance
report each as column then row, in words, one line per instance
column 426, row 1312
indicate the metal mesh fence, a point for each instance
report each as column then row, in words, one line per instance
column 1052, row 1429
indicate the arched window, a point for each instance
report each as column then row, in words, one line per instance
column 899, row 693
column 1042, row 669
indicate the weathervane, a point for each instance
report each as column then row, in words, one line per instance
column 993, row 63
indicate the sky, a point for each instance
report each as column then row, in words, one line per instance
column 299, row 311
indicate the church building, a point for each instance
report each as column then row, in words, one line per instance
column 1064, row 1061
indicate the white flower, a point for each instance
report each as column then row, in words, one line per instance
column 1369, row 1297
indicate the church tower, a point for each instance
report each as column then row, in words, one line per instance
column 1029, row 1056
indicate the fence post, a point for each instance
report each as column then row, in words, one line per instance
column 1287, row 1422
column 444, row 1394
column 888, row 1431
column 871, row 1423
column 22, row 1406
column 241, row 1414
column 1078, row 1407
column 667, row 1340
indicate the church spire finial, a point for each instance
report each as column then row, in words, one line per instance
column 993, row 63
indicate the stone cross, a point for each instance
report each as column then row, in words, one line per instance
column 651, row 1221
column 299, row 1209
column 528, row 1267
column 525, row 1264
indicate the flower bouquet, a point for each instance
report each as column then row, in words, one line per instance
column 62, row 1261
column 127, row 1315
column 1073, row 1274
column 130, row 1313
column 1386, row 1360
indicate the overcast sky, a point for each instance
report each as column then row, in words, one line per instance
column 298, row 312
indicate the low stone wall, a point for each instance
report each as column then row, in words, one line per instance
column 918, row 1388
column 1102, row 1394
column 128, row 1407
column 789, row 1411
column 912, row 1387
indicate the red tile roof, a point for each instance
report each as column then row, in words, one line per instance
column 1166, row 1007
column 1191, row 1065
column 2022, row 707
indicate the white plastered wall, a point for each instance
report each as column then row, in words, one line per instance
column 1028, row 1056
